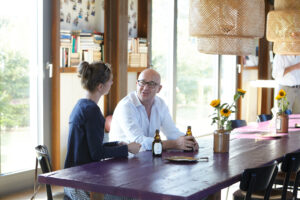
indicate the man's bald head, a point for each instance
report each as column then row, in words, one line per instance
column 148, row 85
column 150, row 75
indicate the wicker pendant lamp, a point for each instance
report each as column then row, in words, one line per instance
column 283, row 27
column 227, row 26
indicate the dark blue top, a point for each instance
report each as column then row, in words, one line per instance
column 86, row 132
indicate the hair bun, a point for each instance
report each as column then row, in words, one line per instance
column 83, row 69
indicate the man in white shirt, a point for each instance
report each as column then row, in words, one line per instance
column 141, row 112
column 286, row 72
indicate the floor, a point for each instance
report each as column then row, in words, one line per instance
column 41, row 195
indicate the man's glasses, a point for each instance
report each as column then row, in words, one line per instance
column 151, row 84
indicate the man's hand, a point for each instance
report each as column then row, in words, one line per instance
column 187, row 143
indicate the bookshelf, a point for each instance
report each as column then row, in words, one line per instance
column 139, row 39
column 77, row 35
column 81, row 33
column 66, row 88
column 80, row 45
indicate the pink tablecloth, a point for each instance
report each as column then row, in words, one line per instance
column 254, row 131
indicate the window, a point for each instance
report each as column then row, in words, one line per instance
column 162, row 45
column 18, row 85
column 198, row 75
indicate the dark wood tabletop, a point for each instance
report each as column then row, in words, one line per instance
column 145, row 177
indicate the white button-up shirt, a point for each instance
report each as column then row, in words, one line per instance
column 130, row 122
column 279, row 64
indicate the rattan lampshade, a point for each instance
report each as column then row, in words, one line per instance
column 226, row 45
column 287, row 48
column 286, row 4
column 283, row 27
column 227, row 26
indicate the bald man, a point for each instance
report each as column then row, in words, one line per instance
column 141, row 112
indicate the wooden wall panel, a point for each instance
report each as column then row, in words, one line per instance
column 55, row 147
column 142, row 18
column 264, row 70
column 115, row 42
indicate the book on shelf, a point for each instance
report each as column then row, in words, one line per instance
column 78, row 46
column 65, row 57
column 98, row 38
column 137, row 52
column 74, row 59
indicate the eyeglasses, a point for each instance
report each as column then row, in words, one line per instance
column 151, row 84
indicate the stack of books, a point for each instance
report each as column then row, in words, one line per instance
column 78, row 46
column 137, row 52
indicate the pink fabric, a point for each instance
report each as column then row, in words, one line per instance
column 268, row 126
column 253, row 131
column 258, row 136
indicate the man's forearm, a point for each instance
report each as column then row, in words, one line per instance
column 291, row 68
column 169, row 144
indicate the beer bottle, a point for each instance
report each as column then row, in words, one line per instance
column 157, row 145
column 189, row 133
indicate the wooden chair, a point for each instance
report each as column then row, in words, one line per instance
column 43, row 158
column 290, row 165
column 238, row 123
column 256, row 181
column 288, row 112
column 289, row 176
column 108, row 119
column 264, row 117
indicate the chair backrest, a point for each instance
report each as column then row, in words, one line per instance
column 108, row 119
column 238, row 123
column 264, row 117
column 42, row 155
column 288, row 112
column 259, row 179
column 291, row 163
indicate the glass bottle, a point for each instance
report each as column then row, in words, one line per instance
column 157, row 144
column 189, row 133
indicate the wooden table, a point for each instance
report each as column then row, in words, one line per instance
column 145, row 177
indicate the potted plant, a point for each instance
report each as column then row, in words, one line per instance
column 282, row 119
column 221, row 119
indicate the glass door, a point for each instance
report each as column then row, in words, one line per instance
column 18, row 85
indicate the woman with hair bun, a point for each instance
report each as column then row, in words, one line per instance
column 86, row 125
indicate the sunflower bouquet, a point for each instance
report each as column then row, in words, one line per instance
column 282, row 102
column 223, row 111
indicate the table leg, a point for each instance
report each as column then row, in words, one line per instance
column 97, row 196
column 215, row 196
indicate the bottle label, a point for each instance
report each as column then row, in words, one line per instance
column 278, row 124
column 157, row 148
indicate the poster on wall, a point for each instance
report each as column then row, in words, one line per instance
column 84, row 15
column 132, row 18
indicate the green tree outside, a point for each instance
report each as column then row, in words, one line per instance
column 14, row 85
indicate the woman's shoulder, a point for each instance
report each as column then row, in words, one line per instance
column 84, row 109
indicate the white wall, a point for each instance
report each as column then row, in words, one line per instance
column 131, row 81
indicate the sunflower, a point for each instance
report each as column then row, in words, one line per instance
column 225, row 112
column 281, row 93
column 278, row 97
column 215, row 103
column 242, row 92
